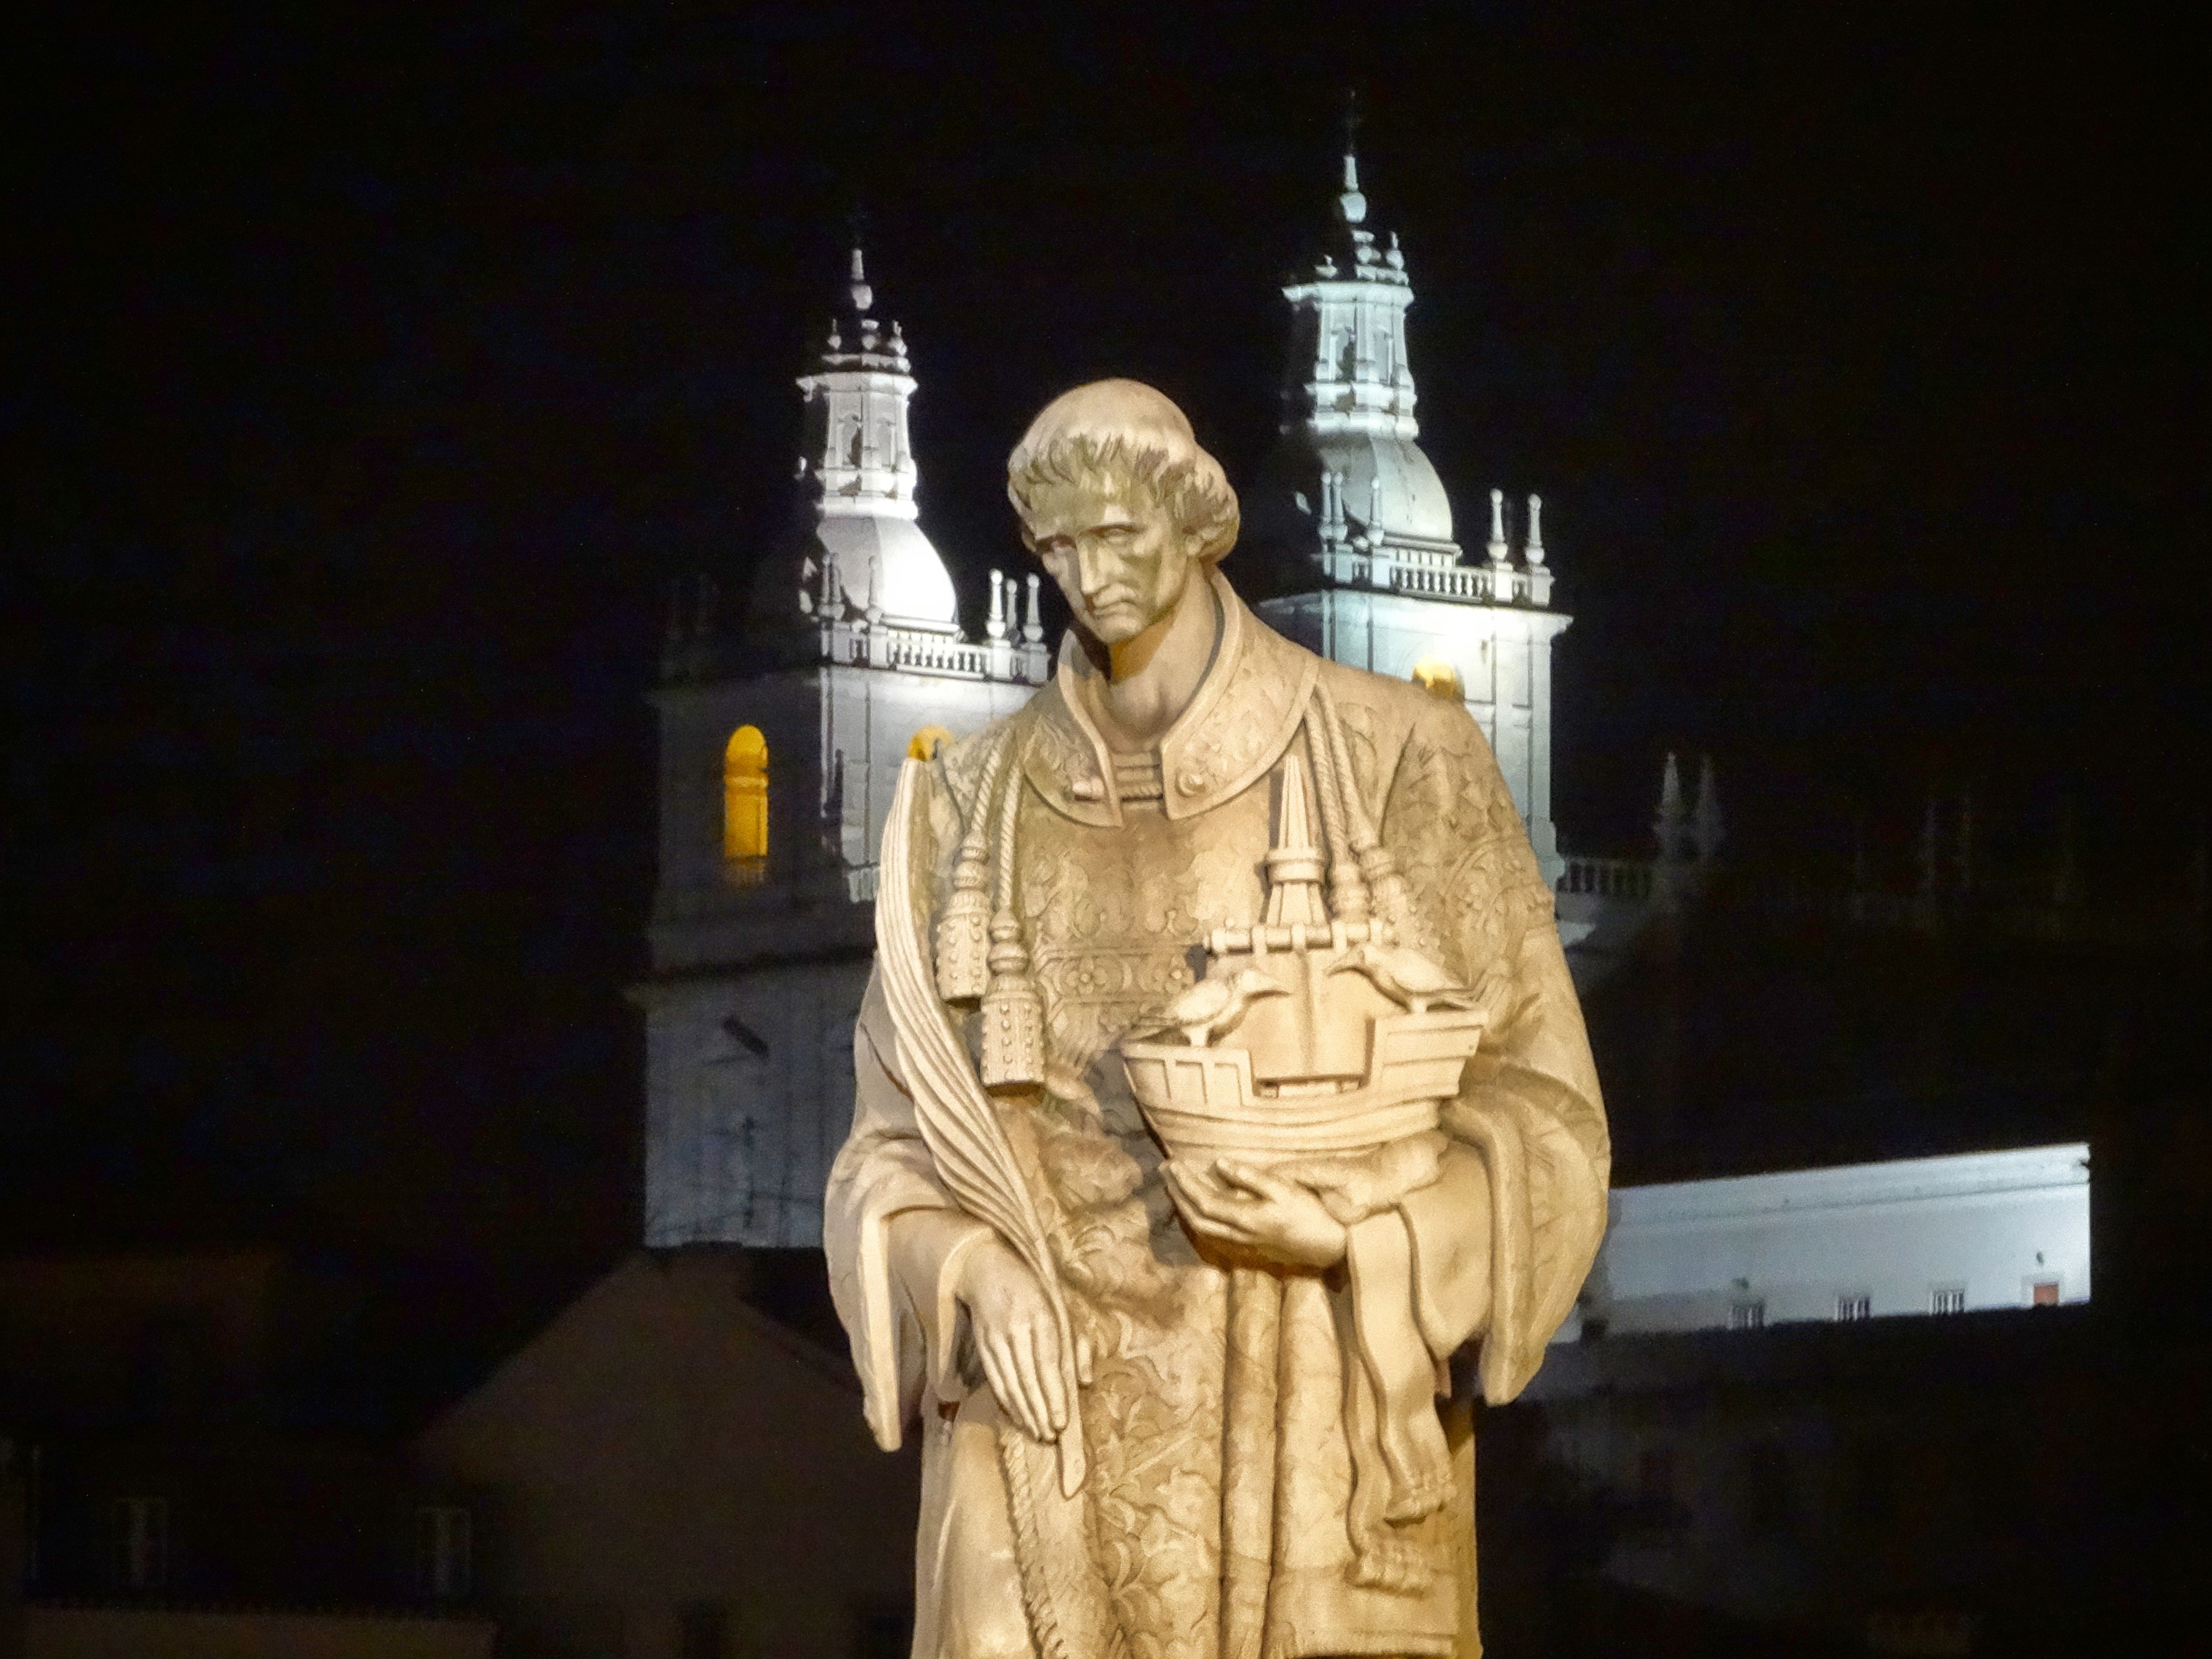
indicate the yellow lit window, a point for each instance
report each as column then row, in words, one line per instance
column 744, row 795
column 924, row 743
column 1439, row 678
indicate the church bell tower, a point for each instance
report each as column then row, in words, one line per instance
column 1354, row 528
column 781, row 743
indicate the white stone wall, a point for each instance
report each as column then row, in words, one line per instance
column 872, row 716
column 1502, row 654
column 1682, row 1256
column 737, row 1141
column 749, row 1096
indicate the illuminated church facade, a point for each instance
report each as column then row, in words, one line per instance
column 779, row 751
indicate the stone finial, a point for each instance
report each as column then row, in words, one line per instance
column 1708, row 829
column 1532, row 548
column 1671, row 824
column 1498, row 526
column 1033, row 620
column 863, row 296
column 996, row 627
column 1352, row 204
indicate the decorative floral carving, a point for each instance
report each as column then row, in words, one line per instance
column 1112, row 913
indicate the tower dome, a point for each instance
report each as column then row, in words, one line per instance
column 1348, row 467
column 866, row 554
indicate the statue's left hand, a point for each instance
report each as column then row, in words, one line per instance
column 1249, row 1209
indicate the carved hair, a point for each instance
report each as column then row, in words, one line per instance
column 1113, row 435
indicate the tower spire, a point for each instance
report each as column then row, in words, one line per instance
column 1707, row 827
column 1348, row 505
column 1349, row 393
column 1352, row 204
column 857, row 289
column 856, row 234
column 1671, row 824
column 859, row 464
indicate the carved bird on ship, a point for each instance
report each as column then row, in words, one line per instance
column 1212, row 1007
column 1407, row 976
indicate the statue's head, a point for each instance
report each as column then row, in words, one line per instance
column 1119, row 501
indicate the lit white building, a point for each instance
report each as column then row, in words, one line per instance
column 1360, row 527
column 1914, row 1235
column 777, row 762
column 776, row 773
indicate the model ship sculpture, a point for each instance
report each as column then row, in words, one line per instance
column 1310, row 1034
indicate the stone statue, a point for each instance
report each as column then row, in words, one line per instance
column 1220, row 1086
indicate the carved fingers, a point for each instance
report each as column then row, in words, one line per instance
column 1246, row 1208
column 1351, row 1188
column 1017, row 1339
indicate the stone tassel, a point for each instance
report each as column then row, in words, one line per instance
column 1013, row 1012
column 1385, row 888
column 963, row 926
column 964, row 933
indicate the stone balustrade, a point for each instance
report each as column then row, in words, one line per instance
column 1626, row 878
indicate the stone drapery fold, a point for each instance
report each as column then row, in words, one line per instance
column 1224, row 1500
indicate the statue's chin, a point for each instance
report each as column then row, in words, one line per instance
column 1119, row 625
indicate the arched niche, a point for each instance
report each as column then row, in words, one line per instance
column 744, row 795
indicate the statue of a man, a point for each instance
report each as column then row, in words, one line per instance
column 1177, row 1403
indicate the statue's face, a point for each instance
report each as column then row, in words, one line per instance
column 1119, row 556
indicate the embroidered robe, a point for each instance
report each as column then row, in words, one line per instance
column 1222, row 1517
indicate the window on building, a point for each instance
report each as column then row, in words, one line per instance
column 1769, row 1494
column 744, row 795
column 1652, row 1510
column 1747, row 1314
column 2042, row 1293
column 141, row 1543
column 1854, row 1305
column 1947, row 1299
column 703, row 1630
column 1875, row 1475
column 1439, row 678
column 924, row 743
column 445, row 1567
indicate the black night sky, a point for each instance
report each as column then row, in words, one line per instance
column 368, row 384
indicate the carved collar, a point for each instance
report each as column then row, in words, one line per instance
column 1246, row 712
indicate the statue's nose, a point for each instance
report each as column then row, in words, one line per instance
column 1095, row 570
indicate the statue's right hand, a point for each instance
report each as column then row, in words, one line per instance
column 1017, row 1337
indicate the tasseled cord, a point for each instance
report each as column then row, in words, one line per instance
column 1013, row 1012
column 1385, row 886
column 964, row 929
column 1348, row 888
